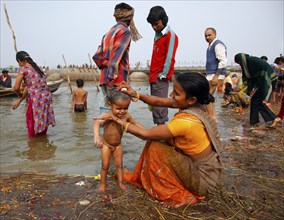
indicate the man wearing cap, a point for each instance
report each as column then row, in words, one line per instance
column 115, row 46
column 5, row 79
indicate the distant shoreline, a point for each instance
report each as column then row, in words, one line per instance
column 93, row 74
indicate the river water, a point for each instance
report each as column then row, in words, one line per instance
column 68, row 147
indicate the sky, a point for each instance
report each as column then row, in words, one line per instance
column 49, row 29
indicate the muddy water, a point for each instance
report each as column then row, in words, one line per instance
column 68, row 147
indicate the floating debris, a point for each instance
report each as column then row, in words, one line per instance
column 84, row 202
column 80, row 183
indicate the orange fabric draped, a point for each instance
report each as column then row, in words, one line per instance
column 152, row 174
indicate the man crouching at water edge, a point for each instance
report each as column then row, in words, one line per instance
column 110, row 142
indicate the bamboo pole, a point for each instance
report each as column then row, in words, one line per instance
column 96, row 81
column 69, row 82
column 10, row 26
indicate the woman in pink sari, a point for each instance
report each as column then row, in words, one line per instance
column 40, row 113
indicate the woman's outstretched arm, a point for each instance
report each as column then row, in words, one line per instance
column 149, row 99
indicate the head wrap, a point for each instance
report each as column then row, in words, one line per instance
column 241, row 58
column 127, row 15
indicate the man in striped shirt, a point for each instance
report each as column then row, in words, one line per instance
column 115, row 46
column 216, row 64
column 162, row 61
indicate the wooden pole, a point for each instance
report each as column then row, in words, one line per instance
column 10, row 26
column 96, row 81
column 69, row 82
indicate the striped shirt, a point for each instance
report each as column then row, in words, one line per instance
column 116, row 44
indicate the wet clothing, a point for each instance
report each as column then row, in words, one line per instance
column 79, row 107
column 257, row 73
column 166, row 171
column 40, row 113
column 116, row 44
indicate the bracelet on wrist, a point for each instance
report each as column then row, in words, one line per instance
column 125, row 126
column 135, row 99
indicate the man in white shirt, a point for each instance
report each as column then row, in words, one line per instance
column 216, row 63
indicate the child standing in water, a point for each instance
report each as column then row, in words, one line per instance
column 79, row 98
column 110, row 141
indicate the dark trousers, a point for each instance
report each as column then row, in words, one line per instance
column 257, row 106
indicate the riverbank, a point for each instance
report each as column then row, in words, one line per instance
column 252, row 185
column 137, row 75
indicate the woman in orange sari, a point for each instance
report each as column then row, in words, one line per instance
column 180, row 162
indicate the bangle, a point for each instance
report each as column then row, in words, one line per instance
column 136, row 99
column 125, row 126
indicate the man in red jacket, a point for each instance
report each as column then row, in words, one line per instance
column 162, row 61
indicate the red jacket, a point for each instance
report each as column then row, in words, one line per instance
column 163, row 55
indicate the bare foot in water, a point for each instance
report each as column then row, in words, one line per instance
column 122, row 186
column 173, row 204
column 102, row 188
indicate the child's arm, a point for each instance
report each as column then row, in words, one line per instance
column 97, row 137
column 132, row 121
column 98, row 122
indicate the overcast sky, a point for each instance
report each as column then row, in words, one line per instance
column 48, row 29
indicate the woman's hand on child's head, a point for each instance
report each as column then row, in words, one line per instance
column 126, row 88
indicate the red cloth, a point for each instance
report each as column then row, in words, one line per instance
column 30, row 119
column 281, row 111
column 163, row 56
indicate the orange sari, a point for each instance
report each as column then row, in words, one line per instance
column 168, row 174
column 155, row 177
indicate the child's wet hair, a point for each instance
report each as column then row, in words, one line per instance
column 114, row 94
